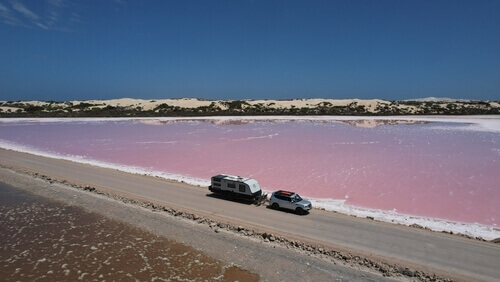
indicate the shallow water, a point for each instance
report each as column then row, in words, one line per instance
column 44, row 240
column 437, row 170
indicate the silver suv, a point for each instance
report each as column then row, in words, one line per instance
column 289, row 200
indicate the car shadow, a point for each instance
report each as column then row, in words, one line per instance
column 222, row 197
column 288, row 211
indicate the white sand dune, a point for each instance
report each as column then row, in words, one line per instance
column 373, row 106
column 194, row 102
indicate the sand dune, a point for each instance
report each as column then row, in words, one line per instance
column 190, row 106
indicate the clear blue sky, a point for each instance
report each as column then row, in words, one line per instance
column 103, row 49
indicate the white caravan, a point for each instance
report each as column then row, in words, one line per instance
column 236, row 187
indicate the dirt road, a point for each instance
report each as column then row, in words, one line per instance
column 421, row 249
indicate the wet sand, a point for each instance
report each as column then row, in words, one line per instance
column 123, row 240
column 43, row 239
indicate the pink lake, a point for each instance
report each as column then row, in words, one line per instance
column 440, row 170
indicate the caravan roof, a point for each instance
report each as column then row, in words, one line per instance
column 233, row 177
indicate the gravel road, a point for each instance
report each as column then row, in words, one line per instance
column 417, row 250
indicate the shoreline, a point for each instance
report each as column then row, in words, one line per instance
column 363, row 213
column 210, row 237
column 468, row 229
column 310, row 247
column 84, row 243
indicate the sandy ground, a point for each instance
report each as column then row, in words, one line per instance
column 270, row 262
column 360, row 249
column 49, row 240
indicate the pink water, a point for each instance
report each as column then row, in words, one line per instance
column 438, row 170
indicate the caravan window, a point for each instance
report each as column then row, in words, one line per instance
column 216, row 184
column 231, row 185
column 242, row 187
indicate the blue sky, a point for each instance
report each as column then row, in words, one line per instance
column 103, row 49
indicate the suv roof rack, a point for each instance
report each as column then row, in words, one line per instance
column 285, row 192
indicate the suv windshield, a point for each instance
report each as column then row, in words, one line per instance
column 296, row 198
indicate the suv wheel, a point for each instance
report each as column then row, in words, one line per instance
column 275, row 206
column 299, row 211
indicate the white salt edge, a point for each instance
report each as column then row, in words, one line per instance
column 471, row 229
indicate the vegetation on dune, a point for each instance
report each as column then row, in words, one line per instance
column 243, row 107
